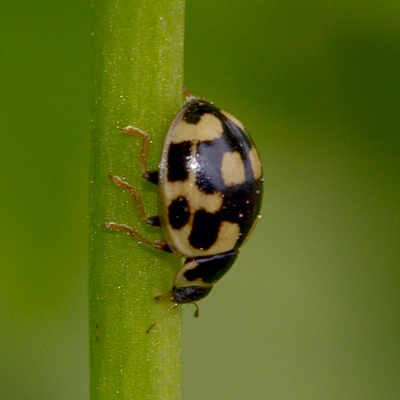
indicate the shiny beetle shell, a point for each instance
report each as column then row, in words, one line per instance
column 210, row 181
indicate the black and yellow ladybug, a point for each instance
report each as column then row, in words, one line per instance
column 210, row 189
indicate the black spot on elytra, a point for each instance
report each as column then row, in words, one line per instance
column 179, row 161
column 237, row 139
column 197, row 109
column 241, row 205
column 209, row 160
column 205, row 229
column 178, row 212
column 209, row 155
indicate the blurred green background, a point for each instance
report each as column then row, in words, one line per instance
column 311, row 310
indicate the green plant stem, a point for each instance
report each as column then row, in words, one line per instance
column 138, row 80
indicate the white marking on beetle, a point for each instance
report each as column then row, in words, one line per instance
column 255, row 163
column 208, row 127
column 233, row 119
column 232, row 169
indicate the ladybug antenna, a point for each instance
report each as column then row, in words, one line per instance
column 174, row 305
column 196, row 313
column 189, row 96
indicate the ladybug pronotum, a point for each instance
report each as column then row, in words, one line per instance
column 210, row 189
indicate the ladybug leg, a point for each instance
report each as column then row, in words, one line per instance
column 158, row 244
column 151, row 176
column 152, row 221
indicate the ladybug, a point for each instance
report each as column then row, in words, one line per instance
column 210, row 184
